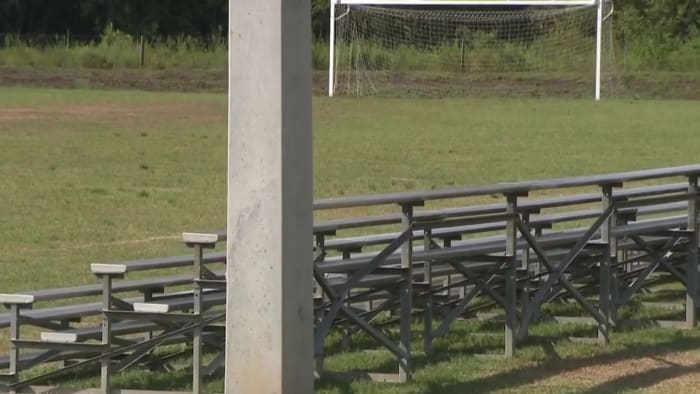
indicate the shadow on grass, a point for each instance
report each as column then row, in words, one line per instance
column 665, row 295
column 644, row 379
column 454, row 348
column 137, row 378
column 554, row 365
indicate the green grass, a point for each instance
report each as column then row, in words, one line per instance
column 90, row 176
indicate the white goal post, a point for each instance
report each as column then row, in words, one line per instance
column 347, row 6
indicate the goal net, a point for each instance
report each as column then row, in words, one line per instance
column 458, row 50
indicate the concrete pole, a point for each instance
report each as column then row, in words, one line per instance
column 269, row 326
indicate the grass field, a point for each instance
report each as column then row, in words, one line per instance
column 90, row 175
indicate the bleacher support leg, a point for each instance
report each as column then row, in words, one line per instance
column 619, row 255
column 614, row 293
column 405, row 294
column 428, row 311
column 604, row 300
column 510, row 279
column 605, row 263
column 105, row 370
column 692, row 263
column 14, row 334
column 525, row 258
column 536, row 315
column 197, row 335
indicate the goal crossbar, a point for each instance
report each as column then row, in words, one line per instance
column 469, row 3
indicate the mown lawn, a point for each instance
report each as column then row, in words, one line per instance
column 89, row 175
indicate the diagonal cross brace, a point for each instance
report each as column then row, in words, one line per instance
column 532, row 242
column 479, row 283
column 667, row 264
column 343, row 292
column 375, row 333
column 659, row 257
column 116, row 352
column 557, row 272
column 458, row 310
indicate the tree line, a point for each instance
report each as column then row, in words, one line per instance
column 197, row 18
column 657, row 21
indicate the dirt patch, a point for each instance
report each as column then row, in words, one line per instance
column 680, row 86
column 662, row 85
column 656, row 85
column 151, row 80
column 113, row 111
column 673, row 372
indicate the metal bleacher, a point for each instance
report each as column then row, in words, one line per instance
column 599, row 249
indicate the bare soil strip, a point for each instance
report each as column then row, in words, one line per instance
column 112, row 111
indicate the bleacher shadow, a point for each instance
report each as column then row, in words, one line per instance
column 644, row 379
column 554, row 366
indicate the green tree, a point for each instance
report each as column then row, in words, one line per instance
column 671, row 19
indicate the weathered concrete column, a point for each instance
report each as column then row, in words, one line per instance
column 269, row 326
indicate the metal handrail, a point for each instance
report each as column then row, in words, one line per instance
column 519, row 188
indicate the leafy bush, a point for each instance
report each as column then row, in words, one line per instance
column 483, row 52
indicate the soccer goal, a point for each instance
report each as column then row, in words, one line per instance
column 471, row 47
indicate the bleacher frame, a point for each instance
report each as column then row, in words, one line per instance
column 425, row 267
